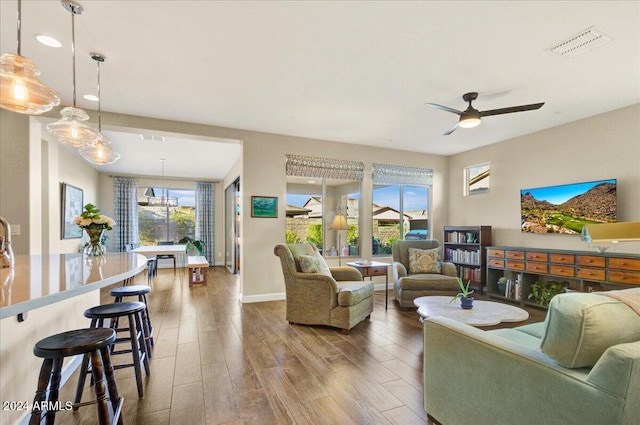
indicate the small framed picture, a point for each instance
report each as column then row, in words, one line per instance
column 264, row 206
column 72, row 205
column 476, row 179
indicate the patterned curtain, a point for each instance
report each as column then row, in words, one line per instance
column 125, row 195
column 205, row 218
column 397, row 174
column 308, row 166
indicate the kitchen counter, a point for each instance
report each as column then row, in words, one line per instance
column 41, row 280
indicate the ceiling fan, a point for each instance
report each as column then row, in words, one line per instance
column 470, row 117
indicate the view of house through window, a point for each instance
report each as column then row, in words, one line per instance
column 312, row 203
column 165, row 214
column 399, row 212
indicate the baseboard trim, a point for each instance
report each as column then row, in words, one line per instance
column 246, row 299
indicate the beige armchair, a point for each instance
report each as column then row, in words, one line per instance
column 341, row 300
column 407, row 286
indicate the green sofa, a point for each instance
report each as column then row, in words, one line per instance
column 580, row 366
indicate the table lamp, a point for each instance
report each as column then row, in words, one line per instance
column 611, row 232
column 338, row 224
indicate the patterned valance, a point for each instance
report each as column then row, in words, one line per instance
column 397, row 174
column 309, row 166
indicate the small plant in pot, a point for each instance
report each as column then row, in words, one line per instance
column 466, row 300
column 542, row 291
column 193, row 245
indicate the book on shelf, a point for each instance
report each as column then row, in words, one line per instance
column 462, row 256
column 461, row 237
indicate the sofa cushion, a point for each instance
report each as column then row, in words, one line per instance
column 352, row 292
column 580, row 328
column 314, row 263
column 424, row 260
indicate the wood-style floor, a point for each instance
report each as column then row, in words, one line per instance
column 217, row 361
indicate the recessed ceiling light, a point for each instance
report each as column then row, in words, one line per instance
column 91, row 97
column 311, row 181
column 48, row 41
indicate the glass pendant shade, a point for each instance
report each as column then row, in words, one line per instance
column 100, row 153
column 72, row 129
column 20, row 89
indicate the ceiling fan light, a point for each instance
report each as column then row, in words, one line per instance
column 72, row 129
column 469, row 122
column 20, row 89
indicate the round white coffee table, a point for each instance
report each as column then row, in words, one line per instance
column 483, row 313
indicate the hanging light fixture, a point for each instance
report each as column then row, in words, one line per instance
column 20, row 89
column 163, row 200
column 72, row 129
column 99, row 153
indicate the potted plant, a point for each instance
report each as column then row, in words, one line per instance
column 466, row 300
column 542, row 291
column 192, row 244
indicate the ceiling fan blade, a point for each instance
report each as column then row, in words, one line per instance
column 444, row 108
column 451, row 130
column 511, row 109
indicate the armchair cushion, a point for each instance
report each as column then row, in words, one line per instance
column 351, row 293
column 424, row 260
column 580, row 328
column 314, row 263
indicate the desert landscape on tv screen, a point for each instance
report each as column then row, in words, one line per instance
column 567, row 208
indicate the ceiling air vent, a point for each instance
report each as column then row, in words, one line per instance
column 587, row 40
column 152, row 138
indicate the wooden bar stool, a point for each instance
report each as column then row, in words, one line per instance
column 133, row 311
column 141, row 292
column 93, row 343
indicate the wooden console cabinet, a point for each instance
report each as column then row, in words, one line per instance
column 583, row 270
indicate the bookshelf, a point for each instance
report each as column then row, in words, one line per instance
column 465, row 246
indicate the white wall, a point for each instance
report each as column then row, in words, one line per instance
column 601, row 147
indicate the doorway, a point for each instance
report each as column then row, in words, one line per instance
column 232, row 226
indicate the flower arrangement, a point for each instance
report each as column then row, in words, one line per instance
column 92, row 219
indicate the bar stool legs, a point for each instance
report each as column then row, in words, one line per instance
column 94, row 343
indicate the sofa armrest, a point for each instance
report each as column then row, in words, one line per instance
column 399, row 270
column 345, row 273
column 519, row 384
column 448, row 269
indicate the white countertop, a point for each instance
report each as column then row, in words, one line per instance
column 40, row 280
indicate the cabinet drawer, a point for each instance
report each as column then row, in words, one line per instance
column 625, row 263
column 377, row 271
column 591, row 261
column 537, row 256
column 562, row 258
column 624, row 277
column 496, row 252
column 591, row 274
column 537, row 268
column 516, row 255
column 496, row 262
column 515, row 265
column 563, row 271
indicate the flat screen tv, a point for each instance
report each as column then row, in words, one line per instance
column 568, row 207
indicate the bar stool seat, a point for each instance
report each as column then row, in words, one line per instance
column 94, row 343
column 136, row 339
column 141, row 292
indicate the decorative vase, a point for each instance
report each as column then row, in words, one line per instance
column 466, row 303
column 95, row 247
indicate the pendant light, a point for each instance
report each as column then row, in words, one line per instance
column 20, row 89
column 72, row 129
column 99, row 153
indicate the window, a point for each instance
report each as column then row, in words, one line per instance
column 165, row 214
column 400, row 205
column 318, row 189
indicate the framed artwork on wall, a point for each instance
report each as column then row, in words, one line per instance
column 476, row 179
column 72, row 204
column 264, row 206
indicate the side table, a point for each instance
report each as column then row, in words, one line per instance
column 374, row 268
